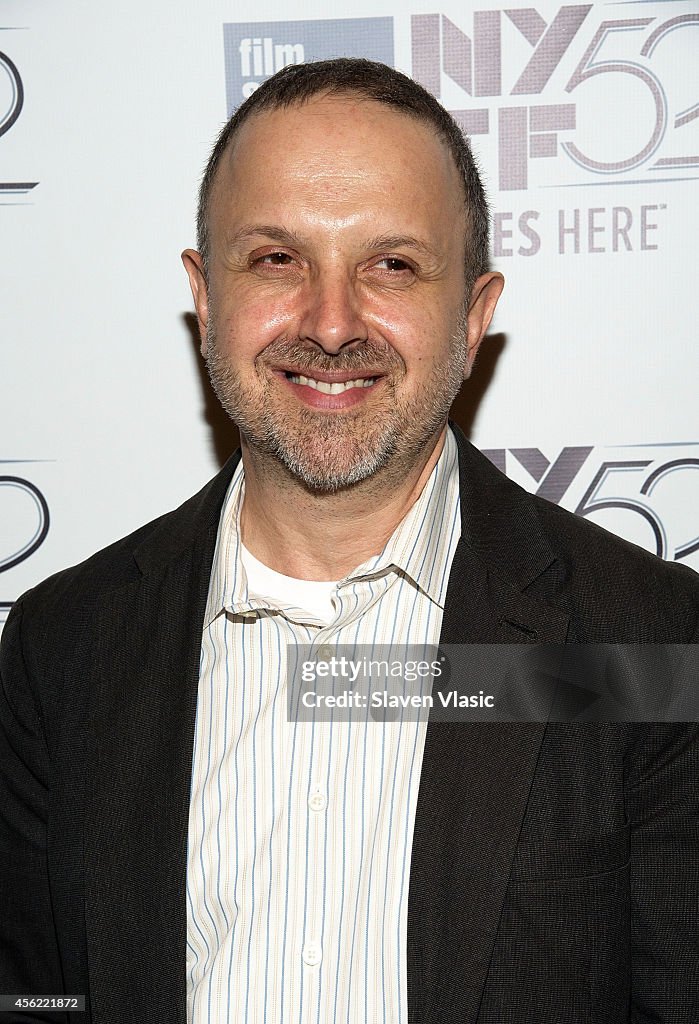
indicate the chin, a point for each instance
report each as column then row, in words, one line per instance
column 330, row 472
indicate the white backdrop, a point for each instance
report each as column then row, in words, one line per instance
column 585, row 122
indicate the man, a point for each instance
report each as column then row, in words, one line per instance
column 177, row 850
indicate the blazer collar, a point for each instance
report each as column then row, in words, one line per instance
column 499, row 522
column 172, row 534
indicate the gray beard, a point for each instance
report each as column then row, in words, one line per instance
column 329, row 452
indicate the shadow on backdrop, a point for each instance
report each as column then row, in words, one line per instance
column 224, row 434
column 224, row 437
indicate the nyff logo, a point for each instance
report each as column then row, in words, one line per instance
column 648, row 494
column 573, row 54
column 255, row 50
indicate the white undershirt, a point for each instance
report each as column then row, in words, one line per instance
column 265, row 584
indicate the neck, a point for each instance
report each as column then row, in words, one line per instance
column 314, row 536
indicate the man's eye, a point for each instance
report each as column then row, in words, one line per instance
column 275, row 259
column 393, row 264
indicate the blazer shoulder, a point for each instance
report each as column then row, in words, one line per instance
column 613, row 591
column 124, row 561
column 615, row 580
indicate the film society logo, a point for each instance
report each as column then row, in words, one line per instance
column 256, row 50
column 573, row 96
column 11, row 105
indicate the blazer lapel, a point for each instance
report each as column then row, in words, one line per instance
column 142, row 728
column 476, row 778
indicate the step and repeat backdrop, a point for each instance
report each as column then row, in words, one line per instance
column 585, row 120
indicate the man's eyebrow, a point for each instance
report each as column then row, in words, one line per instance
column 277, row 233
column 274, row 232
column 400, row 242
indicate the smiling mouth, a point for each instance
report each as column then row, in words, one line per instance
column 328, row 388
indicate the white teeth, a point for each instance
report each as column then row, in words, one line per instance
column 332, row 389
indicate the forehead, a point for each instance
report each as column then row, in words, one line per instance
column 335, row 151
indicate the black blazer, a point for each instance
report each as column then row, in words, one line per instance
column 555, row 868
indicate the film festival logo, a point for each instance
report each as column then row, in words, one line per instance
column 647, row 494
column 11, row 104
column 536, row 84
column 531, row 83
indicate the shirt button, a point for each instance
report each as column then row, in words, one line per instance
column 312, row 954
column 317, row 801
column 325, row 653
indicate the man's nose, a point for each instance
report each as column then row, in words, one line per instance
column 332, row 315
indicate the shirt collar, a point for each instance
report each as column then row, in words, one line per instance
column 421, row 546
column 228, row 586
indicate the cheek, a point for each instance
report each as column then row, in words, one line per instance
column 420, row 336
column 246, row 329
column 268, row 308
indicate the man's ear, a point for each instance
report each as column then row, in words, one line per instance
column 194, row 265
column 484, row 298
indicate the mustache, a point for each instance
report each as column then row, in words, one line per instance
column 302, row 356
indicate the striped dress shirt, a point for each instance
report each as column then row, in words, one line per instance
column 300, row 833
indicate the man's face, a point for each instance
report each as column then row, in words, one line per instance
column 334, row 321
